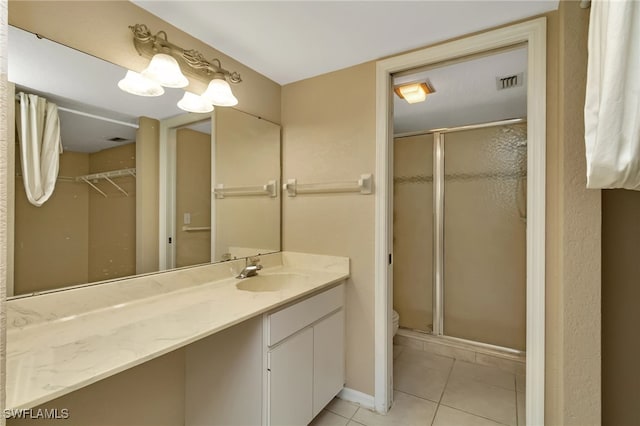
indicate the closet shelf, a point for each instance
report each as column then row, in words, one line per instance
column 364, row 186
column 270, row 189
column 93, row 178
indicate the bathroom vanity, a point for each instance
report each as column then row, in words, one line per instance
column 268, row 349
column 280, row 368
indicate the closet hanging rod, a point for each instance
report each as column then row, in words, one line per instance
column 59, row 178
column 107, row 176
column 97, row 117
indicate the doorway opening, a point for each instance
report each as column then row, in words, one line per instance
column 525, row 183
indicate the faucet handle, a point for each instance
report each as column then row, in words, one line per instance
column 253, row 260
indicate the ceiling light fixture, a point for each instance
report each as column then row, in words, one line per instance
column 168, row 63
column 414, row 92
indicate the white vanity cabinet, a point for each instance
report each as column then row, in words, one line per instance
column 304, row 358
column 279, row 368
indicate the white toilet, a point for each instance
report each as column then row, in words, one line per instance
column 396, row 322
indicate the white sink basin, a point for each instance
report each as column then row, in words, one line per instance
column 271, row 282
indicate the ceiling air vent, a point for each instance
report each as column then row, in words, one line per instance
column 509, row 81
column 118, row 139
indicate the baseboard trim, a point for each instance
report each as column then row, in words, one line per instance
column 352, row 395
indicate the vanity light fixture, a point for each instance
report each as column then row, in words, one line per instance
column 414, row 92
column 169, row 62
column 164, row 69
column 191, row 102
column 219, row 92
column 137, row 84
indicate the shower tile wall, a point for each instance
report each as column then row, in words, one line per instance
column 413, row 231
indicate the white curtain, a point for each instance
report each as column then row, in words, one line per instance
column 612, row 105
column 40, row 146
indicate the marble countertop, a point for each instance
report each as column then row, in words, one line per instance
column 54, row 349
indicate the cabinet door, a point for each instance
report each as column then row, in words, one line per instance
column 328, row 354
column 290, row 372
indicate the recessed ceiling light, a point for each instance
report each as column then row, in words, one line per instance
column 414, row 92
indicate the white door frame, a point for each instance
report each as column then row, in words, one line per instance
column 534, row 34
column 167, row 185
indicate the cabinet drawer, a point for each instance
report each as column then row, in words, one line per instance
column 287, row 321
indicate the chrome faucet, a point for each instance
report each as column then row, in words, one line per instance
column 251, row 267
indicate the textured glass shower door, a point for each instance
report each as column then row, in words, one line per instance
column 484, row 231
column 413, row 231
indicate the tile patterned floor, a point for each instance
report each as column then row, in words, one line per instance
column 434, row 390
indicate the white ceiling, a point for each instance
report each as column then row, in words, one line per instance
column 285, row 41
column 465, row 93
column 289, row 41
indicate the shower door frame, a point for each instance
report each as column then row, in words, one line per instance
column 438, row 227
column 533, row 33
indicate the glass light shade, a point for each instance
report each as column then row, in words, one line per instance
column 413, row 93
column 137, row 84
column 219, row 93
column 191, row 102
column 164, row 69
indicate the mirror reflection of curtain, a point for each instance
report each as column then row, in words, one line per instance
column 38, row 128
column 612, row 105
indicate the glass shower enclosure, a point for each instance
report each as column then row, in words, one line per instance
column 460, row 233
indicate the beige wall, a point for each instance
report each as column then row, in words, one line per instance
column 573, row 354
column 247, row 153
column 112, row 220
column 329, row 135
column 193, row 195
column 7, row 176
column 7, row 189
column 620, row 307
column 55, row 235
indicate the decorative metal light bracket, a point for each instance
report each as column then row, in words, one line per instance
column 192, row 62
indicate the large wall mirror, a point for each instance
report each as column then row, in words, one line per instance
column 223, row 171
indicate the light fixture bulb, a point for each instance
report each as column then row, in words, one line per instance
column 137, row 84
column 191, row 102
column 219, row 93
column 414, row 92
column 164, row 69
